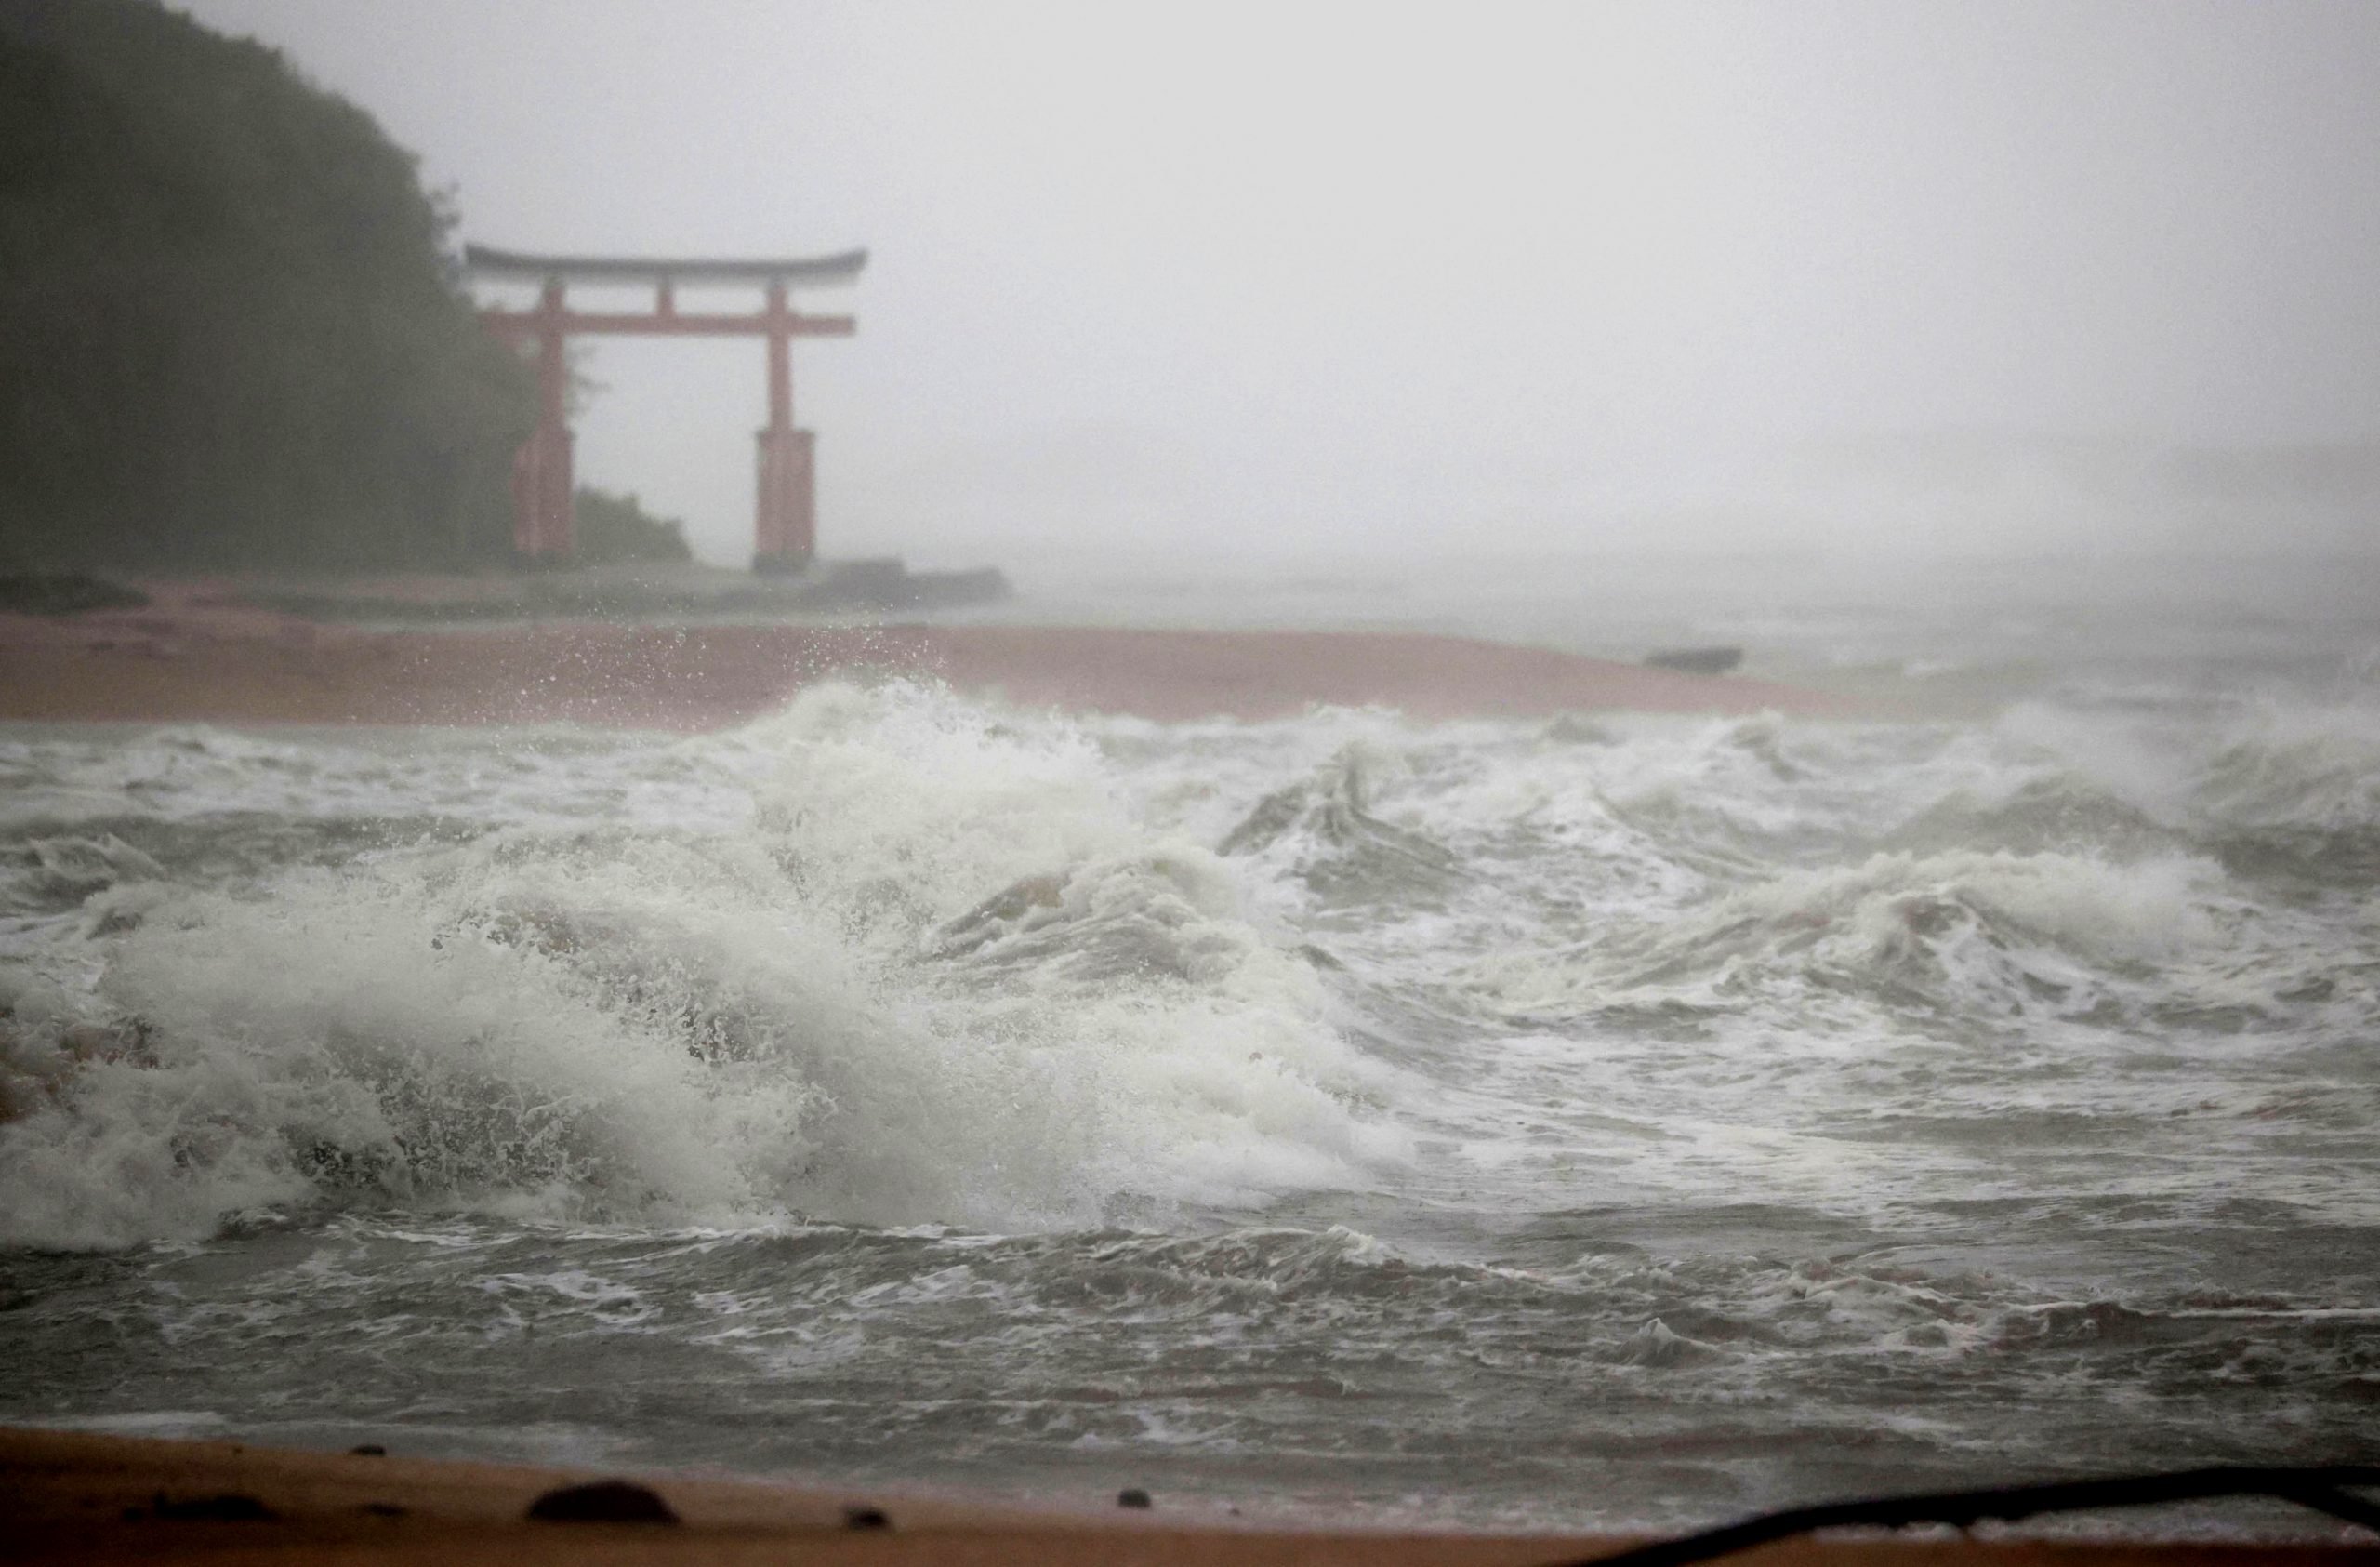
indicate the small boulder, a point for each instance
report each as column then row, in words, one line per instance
column 604, row 1501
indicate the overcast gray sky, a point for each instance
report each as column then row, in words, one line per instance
column 1225, row 276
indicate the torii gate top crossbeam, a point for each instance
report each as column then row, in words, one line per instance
column 812, row 271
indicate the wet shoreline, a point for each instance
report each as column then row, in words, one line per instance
column 201, row 655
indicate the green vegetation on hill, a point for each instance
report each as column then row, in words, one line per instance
column 616, row 527
column 229, row 331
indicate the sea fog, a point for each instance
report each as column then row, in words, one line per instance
column 1594, row 1121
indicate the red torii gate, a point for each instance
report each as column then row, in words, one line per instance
column 785, row 527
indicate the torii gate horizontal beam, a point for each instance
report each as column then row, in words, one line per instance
column 667, row 322
column 811, row 270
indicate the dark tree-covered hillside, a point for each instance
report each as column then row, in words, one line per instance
column 617, row 527
column 229, row 334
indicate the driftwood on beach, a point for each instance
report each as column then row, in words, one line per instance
column 1697, row 660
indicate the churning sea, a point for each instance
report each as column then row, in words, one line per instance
column 1588, row 1122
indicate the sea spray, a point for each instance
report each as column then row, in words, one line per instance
column 644, row 1023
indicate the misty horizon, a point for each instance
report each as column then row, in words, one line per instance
column 1564, row 279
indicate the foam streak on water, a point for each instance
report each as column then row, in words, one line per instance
column 1593, row 1124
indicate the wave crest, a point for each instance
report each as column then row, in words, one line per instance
column 673, row 1025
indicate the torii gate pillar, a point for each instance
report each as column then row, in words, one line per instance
column 541, row 468
column 785, row 522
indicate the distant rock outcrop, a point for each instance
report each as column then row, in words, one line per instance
column 64, row 592
column 1697, row 660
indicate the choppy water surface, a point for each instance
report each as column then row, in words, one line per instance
column 1583, row 1122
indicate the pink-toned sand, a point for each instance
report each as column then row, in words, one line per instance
column 196, row 655
column 70, row 1496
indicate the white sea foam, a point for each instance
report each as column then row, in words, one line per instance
column 661, row 1025
column 1847, row 1103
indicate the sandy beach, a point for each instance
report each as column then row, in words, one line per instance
column 86, row 1497
column 196, row 654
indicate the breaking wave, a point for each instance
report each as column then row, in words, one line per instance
column 936, row 975
column 1350, row 1112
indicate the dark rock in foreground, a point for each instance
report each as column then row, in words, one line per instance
column 604, row 1501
